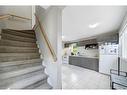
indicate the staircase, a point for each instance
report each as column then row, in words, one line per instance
column 20, row 63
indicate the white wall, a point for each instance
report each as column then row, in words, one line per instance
column 123, row 45
column 33, row 16
column 24, row 11
column 51, row 20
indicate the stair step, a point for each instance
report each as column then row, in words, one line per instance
column 20, row 63
column 16, row 38
column 35, row 85
column 28, row 81
column 18, row 33
column 6, row 82
column 44, row 86
column 10, row 74
column 18, row 67
column 4, row 57
column 24, row 31
column 17, row 43
column 17, row 54
column 13, row 63
column 10, row 49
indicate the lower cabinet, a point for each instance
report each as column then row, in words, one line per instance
column 89, row 63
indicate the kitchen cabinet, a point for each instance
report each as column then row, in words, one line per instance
column 91, row 63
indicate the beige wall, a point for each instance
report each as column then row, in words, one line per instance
column 24, row 11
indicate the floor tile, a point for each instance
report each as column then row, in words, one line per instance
column 74, row 77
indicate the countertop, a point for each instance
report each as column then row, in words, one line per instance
column 85, row 56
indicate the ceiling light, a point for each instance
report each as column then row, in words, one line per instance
column 63, row 37
column 93, row 25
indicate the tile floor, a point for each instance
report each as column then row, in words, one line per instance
column 74, row 77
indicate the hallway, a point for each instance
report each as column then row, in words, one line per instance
column 74, row 77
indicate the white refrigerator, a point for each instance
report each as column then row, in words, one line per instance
column 108, row 58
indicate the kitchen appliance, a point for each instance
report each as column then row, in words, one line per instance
column 65, row 59
column 108, row 58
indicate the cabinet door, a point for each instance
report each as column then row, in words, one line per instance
column 74, row 60
column 94, row 64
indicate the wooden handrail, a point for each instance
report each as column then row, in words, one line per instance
column 12, row 15
column 19, row 17
column 4, row 16
column 46, row 38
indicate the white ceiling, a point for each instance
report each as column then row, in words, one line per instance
column 77, row 19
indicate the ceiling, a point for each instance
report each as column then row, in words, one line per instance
column 86, row 21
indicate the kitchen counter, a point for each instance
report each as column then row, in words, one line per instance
column 91, row 63
column 86, row 56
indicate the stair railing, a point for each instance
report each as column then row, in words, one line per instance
column 45, row 38
column 6, row 16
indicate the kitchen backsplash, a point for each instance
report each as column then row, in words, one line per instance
column 90, row 52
